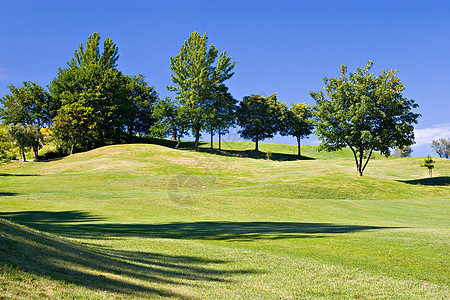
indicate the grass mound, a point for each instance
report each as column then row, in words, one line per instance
column 150, row 221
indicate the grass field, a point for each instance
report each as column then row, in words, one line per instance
column 147, row 221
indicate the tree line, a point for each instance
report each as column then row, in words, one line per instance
column 90, row 103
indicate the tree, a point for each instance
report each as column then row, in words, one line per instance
column 442, row 147
column 5, row 144
column 172, row 119
column 404, row 151
column 27, row 105
column 196, row 78
column 259, row 117
column 141, row 98
column 222, row 114
column 298, row 122
column 74, row 124
column 24, row 136
column 429, row 164
column 93, row 80
column 365, row 113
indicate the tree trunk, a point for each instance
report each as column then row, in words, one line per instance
column 71, row 148
column 35, row 152
column 23, row 153
column 358, row 169
column 174, row 134
column 178, row 143
column 256, row 145
column 212, row 139
column 197, row 139
column 220, row 139
column 298, row 143
column 361, row 154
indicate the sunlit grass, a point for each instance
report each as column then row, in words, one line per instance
column 152, row 221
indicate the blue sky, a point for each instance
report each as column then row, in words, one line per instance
column 282, row 47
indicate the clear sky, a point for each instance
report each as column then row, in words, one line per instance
column 282, row 47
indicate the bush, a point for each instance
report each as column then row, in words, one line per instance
column 49, row 154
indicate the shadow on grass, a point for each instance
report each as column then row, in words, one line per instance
column 168, row 143
column 435, row 181
column 230, row 153
column 18, row 175
column 68, row 224
column 37, row 217
column 7, row 194
column 126, row 272
column 255, row 154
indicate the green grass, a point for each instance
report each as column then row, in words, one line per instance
column 147, row 221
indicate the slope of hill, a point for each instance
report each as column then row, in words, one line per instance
column 150, row 221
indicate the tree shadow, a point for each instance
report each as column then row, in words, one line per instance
column 168, row 143
column 186, row 145
column 434, row 181
column 126, row 272
column 36, row 217
column 18, row 175
column 255, row 154
column 8, row 194
column 79, row 225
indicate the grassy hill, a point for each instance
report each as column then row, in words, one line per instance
column 150, row 221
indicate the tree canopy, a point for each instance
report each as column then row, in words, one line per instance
column 260, row 117
column 365, row 113
column 172, row 119
column 25, row 136
column 196, row 79
column 298, row 122
column 120, row 103
column 441, row 147
column 404, row 151
column 74, row 124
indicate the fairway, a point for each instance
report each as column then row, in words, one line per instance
column 148, row 221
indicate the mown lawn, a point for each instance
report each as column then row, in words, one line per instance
column 146, row 221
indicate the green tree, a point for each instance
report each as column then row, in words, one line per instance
column 5, row 144
column 222, row 113
column 27, row 105
column 196, row 78
column 442, row 147
column 24, row 136
column 429, row 164
column 298, row 122
column 365, row 113
column 404, row 151
column 172, row 120
column 260, row 117
column 141, row 99
column 74, row 124
column 92, row 79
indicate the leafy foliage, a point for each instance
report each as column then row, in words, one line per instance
column 298, row 122
column 141, row 98
column 260, row 117
column 428, row 163
column 5, row 144
column 74, row 124
column 25, row 136
column 404, row 151
column 442, row 147
column 27, row 105
column 222, row 112
column 172, row 120
column 197, row 80
column 120, row 103
column 365, row 113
